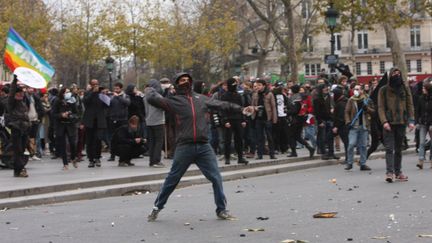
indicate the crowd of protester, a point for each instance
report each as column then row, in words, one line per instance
column 319, row 115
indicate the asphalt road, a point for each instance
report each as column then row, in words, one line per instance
column 367, row 207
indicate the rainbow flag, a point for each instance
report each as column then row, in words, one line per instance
column 19, row 53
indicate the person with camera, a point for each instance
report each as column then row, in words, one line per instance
column 65, row 118
column 357, row 116
column 128, row 143
column 266, row 116
column 95, row 122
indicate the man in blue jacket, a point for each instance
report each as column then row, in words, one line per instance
column 192, row 140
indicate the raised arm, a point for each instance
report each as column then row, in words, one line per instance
column 157, row 100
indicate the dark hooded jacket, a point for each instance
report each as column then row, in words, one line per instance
column 233, row 97
column 190, row 111
column 118, row 110
column 17, row 111
column 322, row 106
column 95, row 111
column 136, row 107
column 154, row 116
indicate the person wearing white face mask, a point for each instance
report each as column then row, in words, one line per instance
column 65, row 118
column 357, row 117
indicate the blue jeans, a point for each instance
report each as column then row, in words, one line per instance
column 310, row 134
column 423, row 131
column 357, row 137
column 203, row 156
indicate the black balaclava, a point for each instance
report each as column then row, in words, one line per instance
column 396, row 81
column 232, row 85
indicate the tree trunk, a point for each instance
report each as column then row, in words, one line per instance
column 292, row 50
column 263, row 52
column 396, row 50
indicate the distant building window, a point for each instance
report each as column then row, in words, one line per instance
column 369, row 68
column 338, row 45
column 415, row 36
column 309, row 44
column 312, row 69
column 362, row 40
column 358, row 68
column 419, row 66
column 408, row 64
column 382, row 67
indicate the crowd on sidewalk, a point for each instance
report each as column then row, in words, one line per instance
column 70, row 123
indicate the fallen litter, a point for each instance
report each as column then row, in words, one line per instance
column 325, row 215
column 424, row 236
column 254, row 230
column 186, row 224
column 4, row 209
column 380, row 237
column 333, row 181
column 294, row 241
column 262, row 218
column 239, row 191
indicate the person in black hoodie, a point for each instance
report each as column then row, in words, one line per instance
column 233, row 123
column 65, row 117
column 424, row 121
column 190, row 109
column 339, row 126
column 18, row 121
column 298, row 117
column 323, row 109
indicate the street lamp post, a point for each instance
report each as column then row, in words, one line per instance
column 331, row 16
column 109, row 62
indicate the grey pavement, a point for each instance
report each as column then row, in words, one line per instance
column 367, row 207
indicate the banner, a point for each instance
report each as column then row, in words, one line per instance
column 19, row 53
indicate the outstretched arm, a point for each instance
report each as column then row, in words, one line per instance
column 157, row 100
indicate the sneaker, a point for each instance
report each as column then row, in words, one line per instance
column 22, row 174
column 402, row 177
column 224, row 214
column 75, row 163
column 122, row 164
column 365, row 167
column 130, row 163
column 98, row 163
column 154, row 214
column 243, row 161
column 389, row 177
column 420, row 164
column 158, row 165
column 91, row 164
column 348, row 167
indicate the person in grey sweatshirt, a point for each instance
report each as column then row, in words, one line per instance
column 155, row 121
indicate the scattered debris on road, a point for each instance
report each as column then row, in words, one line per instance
column 262, row 218
column 325, row 215
column 254, row 230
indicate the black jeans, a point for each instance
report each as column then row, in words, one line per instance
column 155, row 142
column 61, row 145
column 393, row 142
column 93, row 143
column 19, row 142
column 326, row 138
column 376, row 136
column 295, row 135
column 343, row 132
column 237, row 129
column 112, row 127
column 264, row 127
column 281, row 134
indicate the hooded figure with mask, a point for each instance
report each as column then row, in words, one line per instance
column 65, row 115
column 155, row 121
column 233, row 123
column 190, row 110
column 396, row 111
column 358, row 113
column 17, row 119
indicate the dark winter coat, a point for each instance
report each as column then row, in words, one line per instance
column 17, row 111
column 95, row 111
column 61, row 124
column 424, row 110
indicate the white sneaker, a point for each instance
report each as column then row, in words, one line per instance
column 34, row 157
